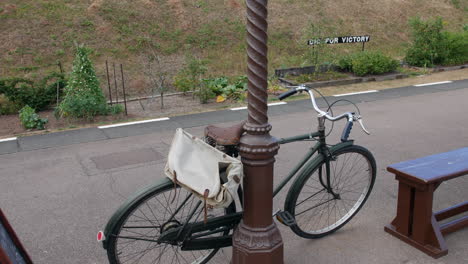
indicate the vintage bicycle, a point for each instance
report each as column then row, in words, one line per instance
column 331, row 184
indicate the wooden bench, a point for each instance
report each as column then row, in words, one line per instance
column 415, row 222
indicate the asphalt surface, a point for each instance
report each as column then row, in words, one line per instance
column 59, row 189
column 95, row 134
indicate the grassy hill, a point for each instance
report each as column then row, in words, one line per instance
column 36, row 34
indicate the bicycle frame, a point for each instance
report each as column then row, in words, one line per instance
column 307, row 163
column 187, row 233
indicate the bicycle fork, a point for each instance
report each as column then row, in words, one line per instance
column 328, row 157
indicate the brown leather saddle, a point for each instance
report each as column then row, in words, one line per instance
column 225, row 135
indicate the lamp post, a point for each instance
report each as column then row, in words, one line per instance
column 257, row 239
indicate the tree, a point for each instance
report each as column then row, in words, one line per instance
column 157, row 75
column 83, row 95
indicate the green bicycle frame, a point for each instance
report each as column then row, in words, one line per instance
column 307, row 163
column 183, row 234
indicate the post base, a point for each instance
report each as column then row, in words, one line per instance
column 257, row 245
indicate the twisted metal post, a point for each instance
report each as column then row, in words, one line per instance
column 257, row 239
column 257, row 61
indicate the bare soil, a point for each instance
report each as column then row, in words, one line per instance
column 144, row 109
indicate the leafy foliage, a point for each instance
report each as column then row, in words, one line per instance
column 183, row 83
column 30, row 119
column 190, row 78
column 83, row 95
column 456, row 44
column 427, row 46
column 433, row 46
column 222, row 86
column 40, row 96
column 367, row 62
column 115, row 109
column 7, row 107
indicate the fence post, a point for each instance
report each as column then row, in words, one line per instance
column 123, row 88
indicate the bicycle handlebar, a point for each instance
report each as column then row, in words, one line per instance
column 351, row 117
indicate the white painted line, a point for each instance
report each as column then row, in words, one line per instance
column 278, row 103
column 7, row 139
column 364, row 92
column 134, row 123
column 239, row 108
column 434, row 83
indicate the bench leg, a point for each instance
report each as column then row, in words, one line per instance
column 402, row 221
column 415, row 223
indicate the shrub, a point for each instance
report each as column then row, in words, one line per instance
column 115, row 109
column 83, row 96
column 363, row 63
column 183, row 83
column 7, row 107
column 427, row 47
column 433, row 46
column 456, row 44
column 40, row 96
column 204, row 93
column 190, row 77
column 30, row 119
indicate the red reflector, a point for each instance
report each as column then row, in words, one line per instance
column 100, row 236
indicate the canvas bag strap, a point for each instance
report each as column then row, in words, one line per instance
column 205, row 196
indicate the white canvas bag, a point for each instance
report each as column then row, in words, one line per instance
column 196, row 166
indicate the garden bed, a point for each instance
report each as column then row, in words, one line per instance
column 340, row 78
column 149, row 108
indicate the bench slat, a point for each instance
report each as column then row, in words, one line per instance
column 434, row 168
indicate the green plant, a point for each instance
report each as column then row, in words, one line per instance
column 60, row 52
column 320, row 53
column 431, row 46
column 234, row 89
column 7, row 107
column 30, row 120
column 204, row 93
column 83, row 96
column 367, row 62
column 38, row 95
column 190, row 77
column 182, row 82
column 456, row 44
column 216, row 85
column 115, row 109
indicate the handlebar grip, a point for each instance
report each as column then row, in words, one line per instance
column 287, row 94
column 346, row 131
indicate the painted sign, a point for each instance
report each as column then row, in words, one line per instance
column 339, row 40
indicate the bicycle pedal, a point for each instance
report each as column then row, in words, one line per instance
column 285, row 218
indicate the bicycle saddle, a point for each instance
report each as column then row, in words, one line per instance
column 225, row 135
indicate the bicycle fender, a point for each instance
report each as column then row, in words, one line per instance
column 162, row 183
column 310, row 166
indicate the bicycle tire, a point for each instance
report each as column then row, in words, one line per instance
column 142, row 215
column 316, row 211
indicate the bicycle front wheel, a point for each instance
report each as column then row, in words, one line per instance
column 320, row 205
column 134, row 238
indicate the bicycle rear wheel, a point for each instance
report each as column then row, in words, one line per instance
column 133, row 238
column 319, row 211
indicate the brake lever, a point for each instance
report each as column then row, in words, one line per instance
column 359, row 119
